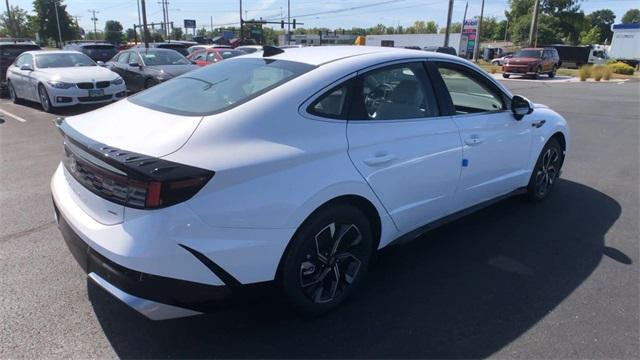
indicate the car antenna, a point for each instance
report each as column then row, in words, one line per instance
column 268, row 51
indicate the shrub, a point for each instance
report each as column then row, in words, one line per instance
column 606, row 73
column 621, row 68
column 584, row 72
column 494, row 69
column 611, row 61
column 598, row 72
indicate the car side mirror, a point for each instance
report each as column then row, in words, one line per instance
column 193, row 62
column 521, row 106
column 135, row 64
column 26, row 67
column 100, row 63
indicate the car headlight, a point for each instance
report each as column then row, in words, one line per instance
column 118, row 81
column 60, row 84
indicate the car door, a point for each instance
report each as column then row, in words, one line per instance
column 135, row 74
column 21, row 78
column 496, row 146
column 408, row 153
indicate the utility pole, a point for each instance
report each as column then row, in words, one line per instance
column 241, row 28
column 144, row 24
column 139, row 21
column 94, row 19
column 464, row 18
column 533, row 31
column 506, row 29
column 13, row 26
column 164, row 18
column 289, row 23
column 476, row 48
column 448, row 29
column 55, row 6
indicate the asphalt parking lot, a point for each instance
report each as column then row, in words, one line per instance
column 559, row 279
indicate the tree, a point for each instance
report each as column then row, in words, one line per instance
column 564, row 20
column 421, row 27
column 21, row 26
column 456, row 27
column 602, row 19
column 113, row 31
column 489, row 29
column 592, row 36
column 176, row 33
column 131, row 34
column 156, row 37
column 45, row 20
column 632, row 16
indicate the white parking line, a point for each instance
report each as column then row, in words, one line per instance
column 12, row 116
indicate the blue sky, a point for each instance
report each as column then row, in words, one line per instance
column 403, row 12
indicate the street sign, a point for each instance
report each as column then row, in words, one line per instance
column 189, row 24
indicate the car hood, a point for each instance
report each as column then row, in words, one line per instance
column 523, row 60
column 171, row 70
column 79, row 74
column 131, row 127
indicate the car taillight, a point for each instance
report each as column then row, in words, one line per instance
column 127, row 178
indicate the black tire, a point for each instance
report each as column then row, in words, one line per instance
column 45, row 100
column 546, row 171
column 506, row 76
column 12, row 93
column 150, row 83
column 313, row 262
column 552, row 74
column 538, row 72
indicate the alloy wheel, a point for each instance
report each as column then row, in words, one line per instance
column 44, row 99
column 332, row 262
column 547, row 171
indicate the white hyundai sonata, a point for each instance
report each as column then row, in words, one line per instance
column 291, row 166
column 62, row 78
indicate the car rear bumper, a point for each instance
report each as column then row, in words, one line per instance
column 156, row 297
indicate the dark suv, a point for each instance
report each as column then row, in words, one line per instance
column 532, row 62
column 177, row 46
column 10, row 49
column 97, row 51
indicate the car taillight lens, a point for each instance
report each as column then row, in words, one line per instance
column 131, row 179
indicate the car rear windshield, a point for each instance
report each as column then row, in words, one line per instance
column 528, row 53
column 227, row 54
column 100, row 50
column 44, row 61
column 217, row 88
column 12, row 51
column 154, row 57
column 177, row 47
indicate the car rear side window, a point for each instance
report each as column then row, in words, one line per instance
column 214, row 89
column 331, row 104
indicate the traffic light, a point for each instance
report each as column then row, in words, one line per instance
column 294, row 23
column 282, row 24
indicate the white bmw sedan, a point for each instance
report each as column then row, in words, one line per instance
column 62, row 78
column 290, row 166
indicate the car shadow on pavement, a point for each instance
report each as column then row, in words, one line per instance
column 464, row 290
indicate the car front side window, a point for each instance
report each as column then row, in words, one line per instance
column 469, row 93
column 395, row 92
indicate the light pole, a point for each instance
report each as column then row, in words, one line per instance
column 476, row 48
column 289, row 23
column 55, row 6
column 448, row 29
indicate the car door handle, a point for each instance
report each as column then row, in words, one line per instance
column 474, row 140
column 380, row 159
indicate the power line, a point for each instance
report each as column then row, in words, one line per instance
column 95, row 20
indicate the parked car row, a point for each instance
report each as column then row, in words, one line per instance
column 89, row 72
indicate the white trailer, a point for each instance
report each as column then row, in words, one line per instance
column 625, row 45
column 420, row 40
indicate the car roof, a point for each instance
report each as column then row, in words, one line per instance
column 41, row 52
column 318, row 55
column 142, row 49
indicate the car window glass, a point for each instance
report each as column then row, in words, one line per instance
column 124, row 58
column 199, row 56
column 211, row 57
column 152, row 57
column 393, row 93
column 62, row 60
column 20, row 60
column 469, row 94
column 331, row 104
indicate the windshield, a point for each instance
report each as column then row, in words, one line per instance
column 62, row 60
column 12, row 51
column 529, row 53
column 177, row 47
column 226, row 54
column 100, row 52
column 214, row 89
column 153, row 57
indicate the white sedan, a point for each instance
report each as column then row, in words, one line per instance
column 62, row 78
column 291, row 166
